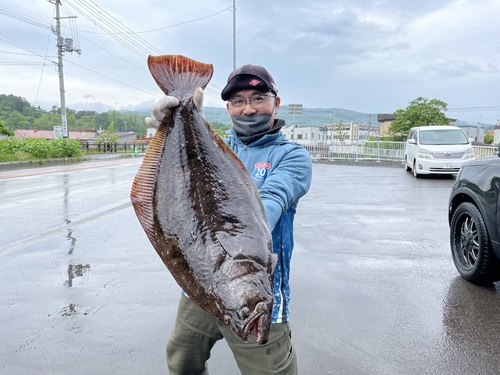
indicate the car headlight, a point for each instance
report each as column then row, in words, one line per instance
column 423, row 153
column 469, row 153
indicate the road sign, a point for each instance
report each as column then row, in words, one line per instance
column 58, row 132
column 295, row 109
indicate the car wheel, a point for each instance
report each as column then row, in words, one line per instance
column 407, row 168
column 470, row 246
column 415, row 171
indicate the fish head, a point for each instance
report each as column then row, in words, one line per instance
column 246, row 298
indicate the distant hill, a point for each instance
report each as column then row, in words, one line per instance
column 309, row 117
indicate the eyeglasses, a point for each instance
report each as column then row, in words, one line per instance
column 256, row 101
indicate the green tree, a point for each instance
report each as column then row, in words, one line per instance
column 488, row 139
column 4, row 130
column 339, row 131
column 420, row 112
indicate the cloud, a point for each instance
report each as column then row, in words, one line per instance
column 372, row 56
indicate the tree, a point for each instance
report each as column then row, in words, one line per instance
column 339, row 131
column 4, row 130
column 420, row 112
column 488, row 139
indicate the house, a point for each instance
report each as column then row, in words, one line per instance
column 386, row 119
column 124, row 136
column 83, row 135
column 496, row 133
column 351, row 132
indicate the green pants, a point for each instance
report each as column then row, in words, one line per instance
column 195, row 333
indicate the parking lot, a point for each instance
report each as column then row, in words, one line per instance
column 374, row 289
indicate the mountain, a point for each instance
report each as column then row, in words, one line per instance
column 309, row 116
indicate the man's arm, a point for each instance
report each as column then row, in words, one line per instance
column 288, row 182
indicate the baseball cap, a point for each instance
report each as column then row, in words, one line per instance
column 248, row 77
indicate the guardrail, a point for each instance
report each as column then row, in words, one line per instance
column 367, row 150
column 114, row 147
column 372, row 150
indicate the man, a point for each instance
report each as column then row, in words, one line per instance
column 282, row 172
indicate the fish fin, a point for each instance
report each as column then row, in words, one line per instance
column 179, row 76
column 141, row 193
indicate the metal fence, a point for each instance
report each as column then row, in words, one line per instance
column 114, row 147
column 366, row 150
column 372, row 150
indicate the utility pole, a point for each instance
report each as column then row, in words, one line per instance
column 63, row 45
column 479, row 128
column 369, row 124
column 234, row 34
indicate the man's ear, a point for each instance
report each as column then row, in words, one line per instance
column 277, row 106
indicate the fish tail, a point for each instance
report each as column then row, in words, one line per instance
column 178, row 75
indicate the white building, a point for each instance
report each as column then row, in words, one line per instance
column 472, row 132
column 349, row 132
column 496, row 133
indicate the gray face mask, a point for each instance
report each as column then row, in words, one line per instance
column 250, row 128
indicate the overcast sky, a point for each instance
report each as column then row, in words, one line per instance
column 364, row 55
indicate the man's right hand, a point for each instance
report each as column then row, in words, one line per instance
column 162, row 107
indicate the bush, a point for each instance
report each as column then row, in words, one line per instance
column 41, row 148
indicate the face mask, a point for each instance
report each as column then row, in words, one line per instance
column 250, row 128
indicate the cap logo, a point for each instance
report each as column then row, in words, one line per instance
column 254, row 82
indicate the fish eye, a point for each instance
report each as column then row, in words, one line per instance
column 245, row 311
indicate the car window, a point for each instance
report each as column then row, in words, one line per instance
column 412, row 134
column 443, row 137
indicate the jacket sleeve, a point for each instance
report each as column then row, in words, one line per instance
column 289, row 179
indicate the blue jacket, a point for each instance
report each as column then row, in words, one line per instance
column 282, row 171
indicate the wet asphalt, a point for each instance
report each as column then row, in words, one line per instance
column 374, row 289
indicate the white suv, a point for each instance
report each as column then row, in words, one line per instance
column 437, row 150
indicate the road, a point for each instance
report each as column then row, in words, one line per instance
column 374, row 289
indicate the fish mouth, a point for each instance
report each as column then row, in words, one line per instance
column 257, row 321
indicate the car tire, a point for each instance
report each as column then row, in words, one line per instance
column 471, row 248
column 415, row 171
column 407, row 168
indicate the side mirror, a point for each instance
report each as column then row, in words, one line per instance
column 498, row 150
column 471, row 140
column 412, row 141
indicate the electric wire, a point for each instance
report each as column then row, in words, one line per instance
column 20, row 17
column 43, row 66
column 113, row 27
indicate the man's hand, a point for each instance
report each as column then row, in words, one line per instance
column 162, row 107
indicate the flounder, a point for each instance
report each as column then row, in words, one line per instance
column 202, row 212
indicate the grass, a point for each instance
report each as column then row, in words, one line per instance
column 8, row 157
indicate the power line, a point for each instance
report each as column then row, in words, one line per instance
column 470, row 109
column 114, row 28
column 20, row 17
column 111, row 26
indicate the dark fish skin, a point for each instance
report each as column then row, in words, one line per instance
column 201, row 210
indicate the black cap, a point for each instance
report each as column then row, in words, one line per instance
column 248, row 77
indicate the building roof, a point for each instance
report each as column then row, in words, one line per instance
column 385, row 117
column 48, row 134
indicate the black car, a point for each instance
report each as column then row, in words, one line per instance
column 474, row 218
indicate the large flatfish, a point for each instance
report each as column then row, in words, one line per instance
column 201, row 210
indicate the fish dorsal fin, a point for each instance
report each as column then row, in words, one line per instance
column 178, row 76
